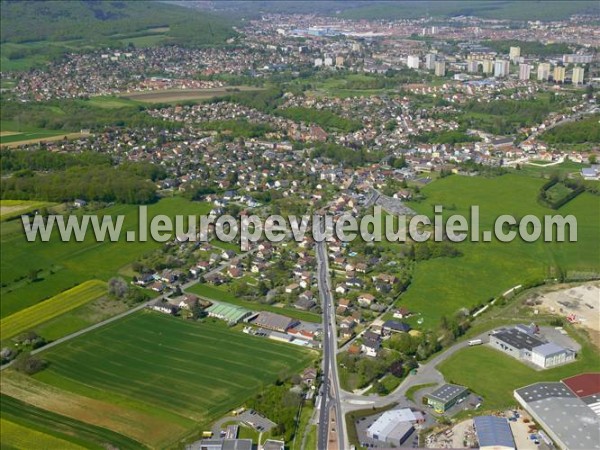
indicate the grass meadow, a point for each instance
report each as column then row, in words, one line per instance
column 58, row 305
column 64, row 265
column 10, row 209
column 53, row 430
column 485, row 270
column 185, row 373
column 15, row 436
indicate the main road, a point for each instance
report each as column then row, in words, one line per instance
column 330, row 392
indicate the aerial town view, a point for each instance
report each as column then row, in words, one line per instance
column 299, row 225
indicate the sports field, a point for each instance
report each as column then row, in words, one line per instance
column 29, row 318
column 187, row 374
column 441, row 286
column 66, row 264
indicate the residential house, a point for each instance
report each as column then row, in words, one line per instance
column 365, row 300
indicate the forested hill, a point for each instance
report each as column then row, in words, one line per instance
column 98, row 22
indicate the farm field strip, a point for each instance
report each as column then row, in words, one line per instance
column 194, row 370
column 172, row 95
column 54, row 307
column 61, row 426
column 14, row 208
column 18, row 436
column 65, row 264
column 143, row 423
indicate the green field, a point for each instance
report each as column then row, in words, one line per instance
column 30, row 135
column 184, row 95
column 66, row 264
column 216, row 293
column 57, row 427
column 567, row 167
column 472, row 367
column 111, row 102
column 170, row 367
column 62, row 303
column 20, row 437
column 442, row 286
column 14, row 208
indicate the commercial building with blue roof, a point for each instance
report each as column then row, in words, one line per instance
column 494, row 433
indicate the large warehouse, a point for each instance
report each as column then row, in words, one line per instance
column 569, row 411
column 395, row 426
column 521, row 342
column 493, row 433
column 446, row 397
column 275, row 322
column 231, row 314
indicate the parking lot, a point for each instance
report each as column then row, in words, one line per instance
column 256, row 421
column 366, row 422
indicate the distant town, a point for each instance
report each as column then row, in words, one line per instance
column 300, row 344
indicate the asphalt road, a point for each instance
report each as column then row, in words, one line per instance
column 331, row 392
column 426, row 373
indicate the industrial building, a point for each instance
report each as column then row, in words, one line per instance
column 271, row 444
column 275, row 322
column 445, row 397
column 569, row 411
column 493, row 433
column 395, row 426
column 221, row 444
column 521, row 342
column 231, row 314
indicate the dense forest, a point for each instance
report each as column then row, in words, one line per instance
column 445, row 137
column 73, row 115
column 578, row 132
column 107, row 184
column 343, row 155
column 59, row 177
column 326, row 119
column 505, row 117
column 95, row 22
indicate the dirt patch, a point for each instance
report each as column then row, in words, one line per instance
column 9, row 133
column 579, row 304
column 143, row 427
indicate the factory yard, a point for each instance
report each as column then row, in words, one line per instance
column 579, row 305
column 459, row 436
